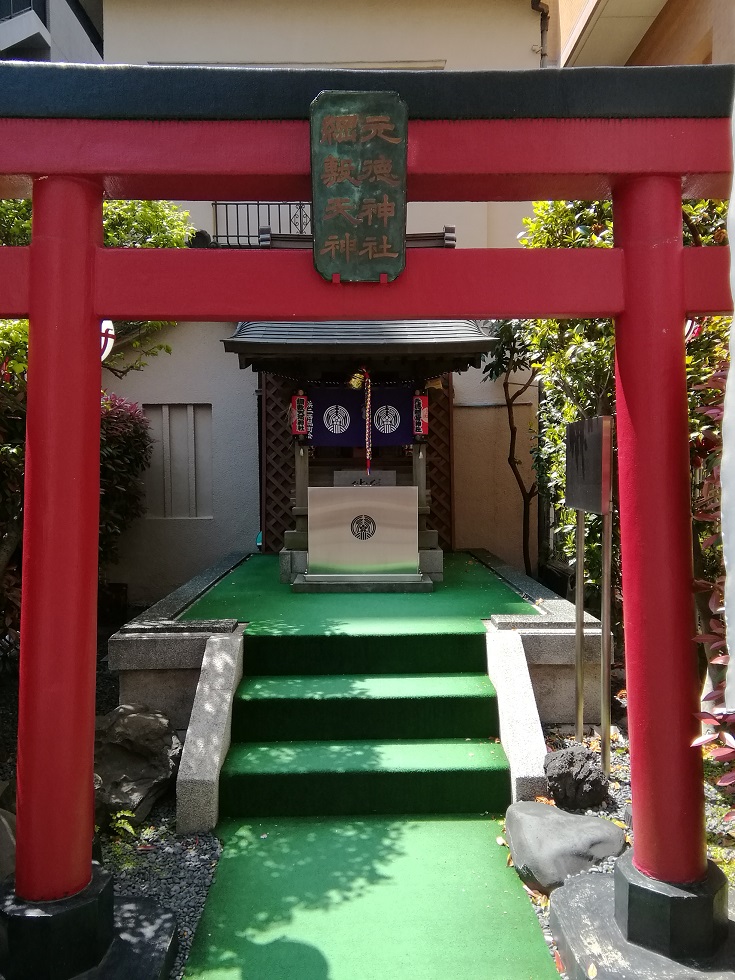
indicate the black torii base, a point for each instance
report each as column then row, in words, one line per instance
column 90, row 936
column 682, row 933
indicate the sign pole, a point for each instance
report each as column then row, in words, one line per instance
column 579, row 629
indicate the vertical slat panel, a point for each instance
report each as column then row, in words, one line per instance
column 153, row 476
column 179, row 460
column 191, row 461
column 203, row 460
column 166, row 446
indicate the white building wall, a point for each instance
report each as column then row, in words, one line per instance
column 466, row 35
column 69, row 41
column 160, row 553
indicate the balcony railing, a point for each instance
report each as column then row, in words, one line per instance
column 236, row 224
column 13, row 8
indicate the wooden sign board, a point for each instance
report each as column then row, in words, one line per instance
column 589, row 465
column 358, row 178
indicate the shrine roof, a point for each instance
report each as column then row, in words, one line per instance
column 34, row 90
column 411, row 347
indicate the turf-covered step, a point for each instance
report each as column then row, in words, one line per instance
column 363, row 777
column 288, row 655
column 387, row 706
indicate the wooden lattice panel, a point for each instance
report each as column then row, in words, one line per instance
column 439, row 463
column 277, row 462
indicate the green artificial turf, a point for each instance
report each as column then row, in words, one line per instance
column 252, row 594
column 364, row 777
column 368, row 898
column 380, row 706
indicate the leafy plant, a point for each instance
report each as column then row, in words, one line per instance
column 125, row 450
column 573, row 362
column 126, row 224
column 120, row 824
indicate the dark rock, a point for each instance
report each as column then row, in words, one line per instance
column 136, row 755
column 547, row 844
column 7, row 795
column 576, row 779
column 7, row 844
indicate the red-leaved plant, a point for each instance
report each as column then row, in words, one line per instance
column 707, row 456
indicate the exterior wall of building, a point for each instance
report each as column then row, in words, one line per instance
column 61, row 38
column 160, row 553
column 492, row 503
column 689, row 32
column 603, row 32
column 69, row 42
column 476, row 34
column 648, row 32
column 471, row 34
column 569, row 15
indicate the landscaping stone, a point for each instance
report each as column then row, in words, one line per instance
column 576, row 780
column 7, row 795
column 135, row 759
column 547, row 845
column 7, row 844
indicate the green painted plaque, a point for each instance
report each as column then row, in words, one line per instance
column 358, row 178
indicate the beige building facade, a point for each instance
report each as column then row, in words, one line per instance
column 642, row 32
column 199, row 389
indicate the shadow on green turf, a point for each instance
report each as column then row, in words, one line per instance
column 288, row 870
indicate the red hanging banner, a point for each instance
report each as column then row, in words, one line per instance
column 299, row 405
column 421, row 415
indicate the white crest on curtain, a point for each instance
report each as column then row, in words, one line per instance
column 727, row 474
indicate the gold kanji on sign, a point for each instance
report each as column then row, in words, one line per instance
column 380, row 210
column 334, row 245
column 379, row 127
column 379, row 169
column 340, row 207
column 336, row 170
column 339, row 129
column 373, row 250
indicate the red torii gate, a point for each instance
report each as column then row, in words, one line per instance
column 70, row 135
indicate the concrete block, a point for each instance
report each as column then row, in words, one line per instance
column 557, row 646
column 520, row 726
column 156, row 651
column 553, row 686
column 169, row 691
column 296, row 540
column 428, row 539
column 208, row 737
column 431, row 563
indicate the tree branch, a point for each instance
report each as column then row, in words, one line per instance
column 696, row 237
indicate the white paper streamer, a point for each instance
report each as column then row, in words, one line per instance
column 727, row 475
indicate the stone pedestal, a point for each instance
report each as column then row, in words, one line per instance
column 90, row 935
